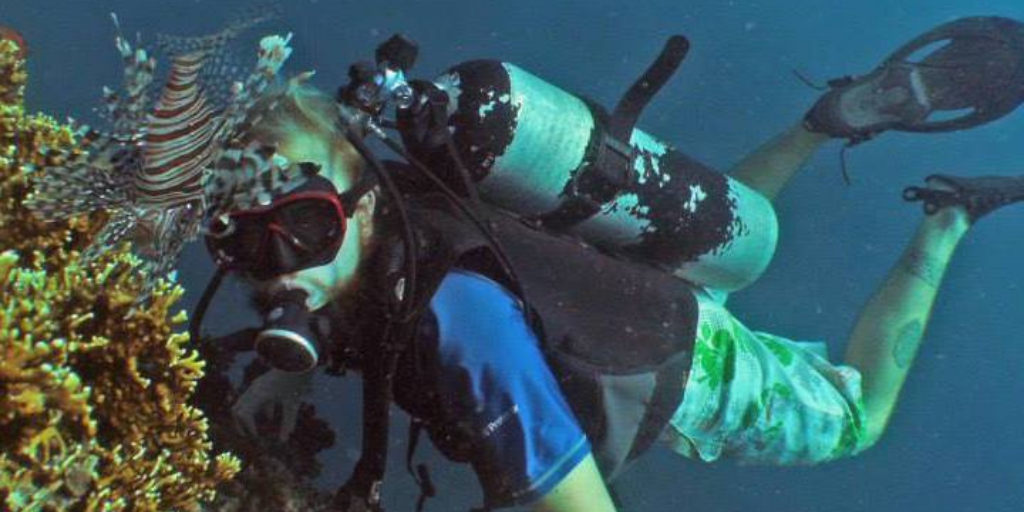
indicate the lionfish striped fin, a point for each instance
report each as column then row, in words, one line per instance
column 118, row 228
column 169, row 231
column 179, row 139
column 245, row 178
column 126, row 110
column 240, row 115
column 82, row 182
column 222, row 67
column 181, row 45
column 186, row 130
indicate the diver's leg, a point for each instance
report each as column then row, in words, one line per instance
column 770, row 167
column 762, row 398
column 888, row 333
column 765, row 399
column 753, row 184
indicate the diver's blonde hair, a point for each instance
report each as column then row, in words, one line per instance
column 305, row 111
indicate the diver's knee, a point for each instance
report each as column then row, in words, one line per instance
column 870, row 437
column 866, row 438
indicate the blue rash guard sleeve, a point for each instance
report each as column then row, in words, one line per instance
column 494, row 378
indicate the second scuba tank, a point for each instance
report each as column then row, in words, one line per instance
column 530, row 147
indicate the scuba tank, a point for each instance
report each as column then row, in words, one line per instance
column 543, row 153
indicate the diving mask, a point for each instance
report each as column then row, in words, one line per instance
column 299, row 230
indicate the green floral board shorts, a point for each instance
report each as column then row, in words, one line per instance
column 761, row 399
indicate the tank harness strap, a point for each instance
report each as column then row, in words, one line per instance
column 662, row 404
column 238, row 341
column 195, row 325
column 362, row 491
column 421, row 476
column 407, row 299
column 610, row 171
column 481, row 224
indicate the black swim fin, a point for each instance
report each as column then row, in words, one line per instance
column 971, row 72
column 979, row 195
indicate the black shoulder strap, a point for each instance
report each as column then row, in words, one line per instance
column 420, row 475
column 436, row 252
column 612, row 169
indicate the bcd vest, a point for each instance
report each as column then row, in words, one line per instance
column 618, row 335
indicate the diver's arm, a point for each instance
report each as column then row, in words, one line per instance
column 769, row 168
column 582, row 490
column 272, row 389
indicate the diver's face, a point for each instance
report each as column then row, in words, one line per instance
column 324, row 283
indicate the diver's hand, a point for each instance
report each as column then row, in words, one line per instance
column 272, row 389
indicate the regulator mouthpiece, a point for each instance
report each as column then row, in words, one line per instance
column 287, row 341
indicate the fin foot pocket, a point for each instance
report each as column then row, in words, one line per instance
column 978, row 195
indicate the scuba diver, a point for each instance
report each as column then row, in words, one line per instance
column 540, row 284
column 533, row 345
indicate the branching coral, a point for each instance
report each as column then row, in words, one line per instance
column 12, row 73
column 23, row 139
column 95, row 397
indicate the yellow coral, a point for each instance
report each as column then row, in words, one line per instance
column 94, row 401
column 12, row 74
column 23, row 139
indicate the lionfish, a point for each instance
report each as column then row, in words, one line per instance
column 166, row 167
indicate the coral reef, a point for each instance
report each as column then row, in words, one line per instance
column 12, row 73
column 267, row 483
column 95, row 392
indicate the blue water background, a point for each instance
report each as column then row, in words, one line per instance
column 956, row 442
